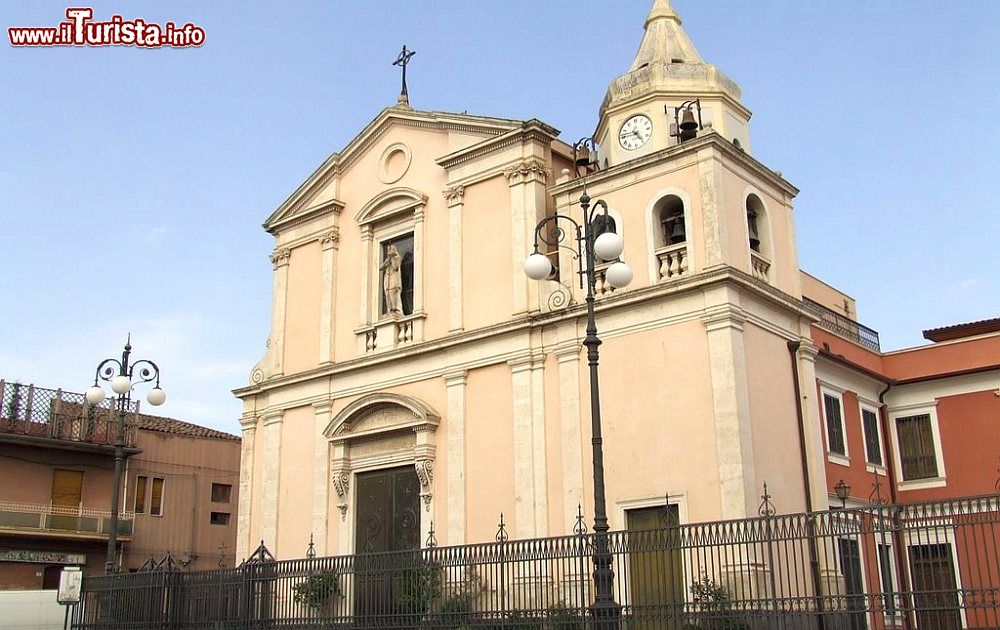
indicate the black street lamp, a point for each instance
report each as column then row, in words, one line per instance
column 588, row 249
column 843, row 491
column 123, row 376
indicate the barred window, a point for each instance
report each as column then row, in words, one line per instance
column 916, row 447
column 873, row 445
column 834, row 425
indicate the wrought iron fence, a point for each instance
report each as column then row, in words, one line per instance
column 932, row 565
column 54, row 413
column 844, row 326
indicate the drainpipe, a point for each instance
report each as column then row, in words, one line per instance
column 793, row 348
column 897, row 526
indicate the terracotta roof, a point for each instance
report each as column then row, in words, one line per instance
column 958, row 331
column 179, row 427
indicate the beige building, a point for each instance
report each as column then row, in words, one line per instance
column 434, row 382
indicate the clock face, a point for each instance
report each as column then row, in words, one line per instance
column 635, row 132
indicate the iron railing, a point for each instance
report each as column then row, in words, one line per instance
column 932, row 565
column 55, row 519
column 53, row 413
column 844, row 326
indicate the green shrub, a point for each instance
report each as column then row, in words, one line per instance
column 316, row 591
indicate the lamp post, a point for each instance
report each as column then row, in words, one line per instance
column 588, row 249
column 123, row 376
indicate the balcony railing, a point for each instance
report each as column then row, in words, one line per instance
column 844, row 326
column 54, row 519
column 53, row 413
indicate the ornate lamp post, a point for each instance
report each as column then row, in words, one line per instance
column 843, row 491
column 589, row 248
column 122, row 376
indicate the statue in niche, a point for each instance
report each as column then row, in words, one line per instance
column 392, row 284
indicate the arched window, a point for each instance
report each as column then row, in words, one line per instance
column 755, row 223
column 669, row 214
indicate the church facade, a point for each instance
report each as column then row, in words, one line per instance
column 416, row 377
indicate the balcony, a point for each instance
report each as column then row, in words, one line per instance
column 843, row 326
column 54, row 418
column 50, row 520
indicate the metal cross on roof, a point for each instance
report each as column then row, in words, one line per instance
column 402, row 60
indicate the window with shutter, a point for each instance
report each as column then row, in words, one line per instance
column 834, row 425
column 156, row 497
column 140, row 495
column 916, row 447
column 873, row 445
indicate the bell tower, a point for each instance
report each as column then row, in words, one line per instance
column 669, row 95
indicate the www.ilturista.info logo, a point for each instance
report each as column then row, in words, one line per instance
column 79, row 29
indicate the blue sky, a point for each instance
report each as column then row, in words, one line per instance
column 133, row 182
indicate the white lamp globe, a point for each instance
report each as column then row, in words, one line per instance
column 95, row 395
column 537, row 266
column 156, row 397
column 619, row 275
column 121, row 384
column 608, row 246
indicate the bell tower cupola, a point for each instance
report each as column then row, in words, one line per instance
column 669, row 95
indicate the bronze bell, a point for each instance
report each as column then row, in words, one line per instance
column 673, row 229
column 583, row 157
column 754, row 235
column 689, row 126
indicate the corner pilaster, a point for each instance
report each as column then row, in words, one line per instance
column 247, row 495
column 455, row 384
column 321, row 476
column 270, row 479
column 280, row 259
column 568, row 357
column 329, row 242
column 454, row 198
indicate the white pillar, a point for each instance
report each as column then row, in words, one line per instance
column 321, row 477
column 812, row 421
column 570, row 427
column 527, row 180
column 455, row 383
column 279, row 258
column 731, row 403
column 418, row 261
column 454, row 196
column 367, row 255
column 247, row 495
column 329, row 243
column 541, row 471
column 342, row 479
column 713, row 208
column 270, row 479
column 524, row 477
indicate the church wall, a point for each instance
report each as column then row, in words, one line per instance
column 486, row 269
column 490, row 444
column 295, row 491
column 777, row 459
column 301, row 339
column 658, row 421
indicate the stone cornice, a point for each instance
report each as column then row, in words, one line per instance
column 532, row 130
column 619, row 300
column 711, row 140
column 290, row 219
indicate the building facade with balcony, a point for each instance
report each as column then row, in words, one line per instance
column 56, row 459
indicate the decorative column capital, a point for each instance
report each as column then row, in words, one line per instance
column 280, row 257
column 248, row 422
column 723, row 316
column 323, row 406
column 341, row 478
column 453, row 196
column 568, row 351
column 455, row 377
column 273, row 417
column 367, row 233
column 527, row 171
column 330, row 239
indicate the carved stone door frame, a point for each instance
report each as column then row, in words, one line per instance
column 406, row 426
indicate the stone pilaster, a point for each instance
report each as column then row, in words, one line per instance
column 527, row 180
column 713, row 208
column 539, row 442
column 530, row 487
column 279, row 258
column 270, row 479
column 367, row 291
column 247, row 494
column 731, row 404
column 418, row 259
column 329, row 243
column 455, row 383
column 815, row 448
column 454, row 197
column 321, row 477
column 568, row 356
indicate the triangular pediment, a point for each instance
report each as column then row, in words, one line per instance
column 311, row 198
